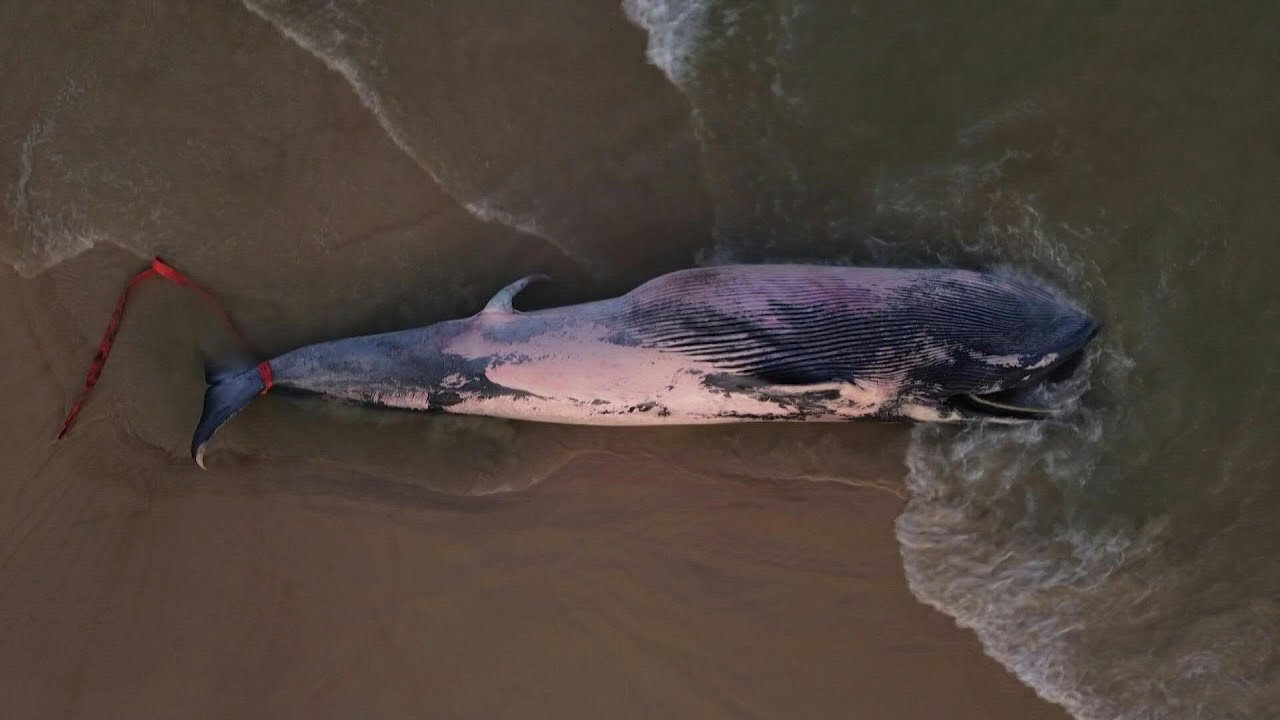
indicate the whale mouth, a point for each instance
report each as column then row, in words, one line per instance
column 1041, row 396
column 1007, row 405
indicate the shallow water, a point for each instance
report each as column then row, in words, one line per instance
column 346, row 167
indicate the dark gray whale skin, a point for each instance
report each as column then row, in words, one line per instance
column 709, row 345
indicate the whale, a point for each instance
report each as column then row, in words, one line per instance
column 735, row 343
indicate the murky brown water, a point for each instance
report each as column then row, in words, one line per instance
column 345, row 167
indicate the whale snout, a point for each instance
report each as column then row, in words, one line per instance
column 1046, row 358
column 1061, row 342
column 1068, row 340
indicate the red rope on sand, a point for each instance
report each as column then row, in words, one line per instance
column 158, row 268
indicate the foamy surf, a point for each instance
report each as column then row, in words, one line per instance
column 744, row 116
column 974, row 545
column 1087, row 607
column 675, row 29
column 337, row 39
column 1013, row 531
column 45, row 233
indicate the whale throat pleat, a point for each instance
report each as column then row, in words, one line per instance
column 927, row 327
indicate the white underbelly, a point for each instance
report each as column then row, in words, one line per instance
column 603, row 383
column 575, row 374
column 600, row 383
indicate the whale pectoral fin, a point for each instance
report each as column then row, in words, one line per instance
column 501, row 302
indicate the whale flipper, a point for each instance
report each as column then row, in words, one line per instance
column 501, row 302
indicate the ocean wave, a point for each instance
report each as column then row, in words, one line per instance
column 335, row 36
column 734, row 63
column 1087, row 608
column 45, row 233
column 337, row 39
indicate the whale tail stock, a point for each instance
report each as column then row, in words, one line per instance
column 228, row 391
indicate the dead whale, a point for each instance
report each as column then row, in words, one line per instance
column 708, row 345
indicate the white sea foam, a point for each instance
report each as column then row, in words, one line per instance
column 1092, row 614
column 967, row 550
column 675, row 29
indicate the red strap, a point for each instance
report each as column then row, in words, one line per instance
column 158, row 269
column 264, row 372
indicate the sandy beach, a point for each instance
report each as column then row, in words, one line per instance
column 334, row 168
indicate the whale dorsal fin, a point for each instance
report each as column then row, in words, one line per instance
column 501, row 302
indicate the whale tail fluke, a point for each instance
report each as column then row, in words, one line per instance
column 228, row 393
